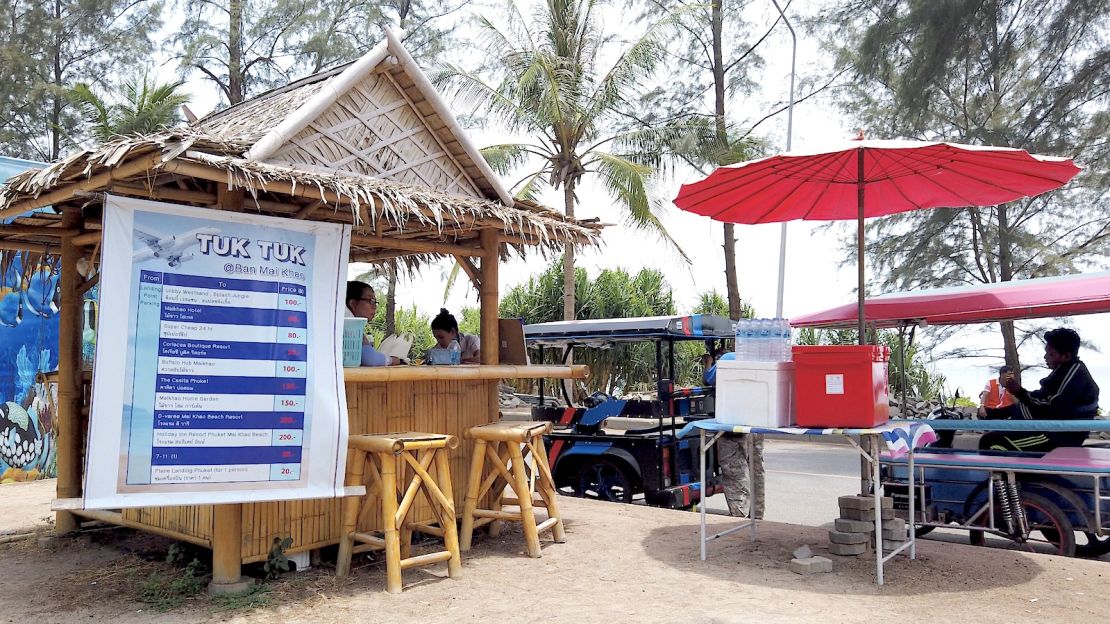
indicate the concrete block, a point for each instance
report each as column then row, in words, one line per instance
column 890, row 546
column 846, row 550
column 865, row 515
column 894, row 524
column 839, row 537
column 857, row 502
column 803, row 552
column 811, row 565
column 854, row 526
column 894, row 535
column 887, row 502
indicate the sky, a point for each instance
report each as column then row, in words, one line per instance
column 815, row 275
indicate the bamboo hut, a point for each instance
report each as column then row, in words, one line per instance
column 369, row 144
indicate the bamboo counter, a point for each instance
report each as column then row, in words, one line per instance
column 436, row 399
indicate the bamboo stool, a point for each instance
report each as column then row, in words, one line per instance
column 498, row 446
column 385, row 456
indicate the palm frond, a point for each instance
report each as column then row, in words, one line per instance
column 529, row 187
column 628, row 181
column 506, row 157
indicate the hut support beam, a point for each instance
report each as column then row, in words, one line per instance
column 471, row 271
column 488, row 297
column 69, row 374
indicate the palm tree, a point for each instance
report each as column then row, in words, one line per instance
column 548, row 85
column 144, row 106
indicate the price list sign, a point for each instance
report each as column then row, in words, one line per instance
column 231, row 388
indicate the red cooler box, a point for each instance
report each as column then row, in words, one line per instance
column 841, row 386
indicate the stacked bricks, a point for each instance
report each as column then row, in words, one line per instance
column 853, row 531
column 804, row 562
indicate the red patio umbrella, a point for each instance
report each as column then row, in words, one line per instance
column 1043, row 297
column 871, row 179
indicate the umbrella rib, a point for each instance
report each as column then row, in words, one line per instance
column 925, row 178
column 979, row 180
column 785, row 169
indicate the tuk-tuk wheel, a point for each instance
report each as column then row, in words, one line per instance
column 1046, row 519
column 603, row 479
column 1094, row 547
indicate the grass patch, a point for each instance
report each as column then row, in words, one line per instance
column 168, row 590
column 257, row 596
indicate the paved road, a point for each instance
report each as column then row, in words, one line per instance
column 804, row 481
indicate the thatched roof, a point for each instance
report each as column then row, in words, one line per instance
column 369, row 143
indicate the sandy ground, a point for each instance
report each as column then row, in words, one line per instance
column 621, row 563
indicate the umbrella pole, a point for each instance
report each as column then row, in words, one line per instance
column 859, row 245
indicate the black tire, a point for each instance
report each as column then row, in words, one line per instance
column 604, row 479
column 922, row 531
column 1049, row 527
column 1047, row 523
column 1094, row 547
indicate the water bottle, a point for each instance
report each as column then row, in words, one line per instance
column 739, row 345
column 455, row 351
column 787, row 351
column 765, row 341
column 749, row 340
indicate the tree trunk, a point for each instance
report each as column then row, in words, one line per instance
column 568, row 257
column 236, row 89
column 56, row 98
column 391, row 299
column 568, row 281
column 1005, row 274
column 731, row 285
column 734, row 307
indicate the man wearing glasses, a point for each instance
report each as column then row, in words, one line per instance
column 362, row 302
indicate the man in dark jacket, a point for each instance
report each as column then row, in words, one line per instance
column 1068, row 393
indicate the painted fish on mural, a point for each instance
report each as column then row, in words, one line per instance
column 20, row 442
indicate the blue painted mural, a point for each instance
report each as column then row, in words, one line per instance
column 28, row 346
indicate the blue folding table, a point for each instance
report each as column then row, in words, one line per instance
column 900, row 438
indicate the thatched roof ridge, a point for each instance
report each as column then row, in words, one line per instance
column 371, row 205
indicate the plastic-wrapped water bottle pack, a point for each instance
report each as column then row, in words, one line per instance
column 763, row 340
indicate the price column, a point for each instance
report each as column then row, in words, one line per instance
column 292, row 341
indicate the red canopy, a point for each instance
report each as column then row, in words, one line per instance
column 985, row 303
column 870, row 179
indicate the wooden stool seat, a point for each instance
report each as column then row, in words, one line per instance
column 498, row 448
column 386, row 457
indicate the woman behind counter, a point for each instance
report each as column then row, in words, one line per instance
column 361, row 301
column 445, row 329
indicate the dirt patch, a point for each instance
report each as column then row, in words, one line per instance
column 620, row 563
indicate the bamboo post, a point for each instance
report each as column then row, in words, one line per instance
column 69, row 374
column 489, row 312
column 356, row 462
column 227, row 520
column 450, row 533
column 546, row 484
column 227, row 538
column 473, row 486
column 389, row 524
column 524, row 495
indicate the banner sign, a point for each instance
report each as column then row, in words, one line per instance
column 217, row 376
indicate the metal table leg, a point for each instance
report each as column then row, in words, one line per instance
column 701, row 461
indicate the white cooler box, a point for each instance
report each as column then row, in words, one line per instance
column 758, row 394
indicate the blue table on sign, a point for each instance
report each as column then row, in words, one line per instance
column 900, row 439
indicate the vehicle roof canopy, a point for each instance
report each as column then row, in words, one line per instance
column 1068, row 295
column 604, row 332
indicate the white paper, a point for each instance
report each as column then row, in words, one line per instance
column 396, row 346
column 834, row 384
